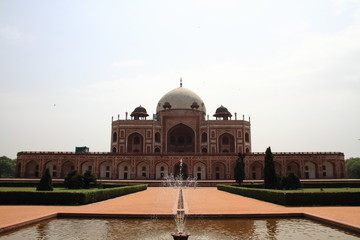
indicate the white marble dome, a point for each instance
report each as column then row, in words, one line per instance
column 181, row 98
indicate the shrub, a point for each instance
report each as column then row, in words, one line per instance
column 45, row 183
column 74, row 180
column 290, row 182
column 88, row 179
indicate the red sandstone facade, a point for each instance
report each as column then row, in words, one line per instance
column 156, row 165
column 152, row 149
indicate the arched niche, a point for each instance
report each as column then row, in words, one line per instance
column 135, row 142
column 181, row 138
column 226, row 143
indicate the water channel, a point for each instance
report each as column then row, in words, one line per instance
column 158, row 229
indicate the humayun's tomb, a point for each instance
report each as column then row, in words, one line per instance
column 144, row 149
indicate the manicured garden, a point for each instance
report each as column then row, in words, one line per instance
column 64, row 196
column 289, row 191
column 300, row 197
column 77, row 189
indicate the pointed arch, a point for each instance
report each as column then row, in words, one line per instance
column 161, row 170
column 247, row 137
column 181, row 138
column 226, row 143
column 135, row 142
column 85, row 166
column 204, row 137
column 115, row 137
column 199, row 170
column 278, row 168
column 32, row 169
column 310, row 170
column 256, row 171
column 294, row 168
column 142, row 171
column 67, row 167
column 218, row 171
column 51, row 165
column 124, row 170
column 105, row 170
column 157, row 137
column 328, row 170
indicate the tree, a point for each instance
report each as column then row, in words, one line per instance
column 239, row 170
column 7, row 167
column 270, row 179
column 45, row 183
column 352, row 166
column 88, row 178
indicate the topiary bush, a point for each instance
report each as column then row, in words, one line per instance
column 88, row 178
column 74, row 180
column 45, row 183
column 290, row 182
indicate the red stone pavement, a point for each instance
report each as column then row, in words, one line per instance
column 162, row 201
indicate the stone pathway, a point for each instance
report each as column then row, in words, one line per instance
column 162, row 202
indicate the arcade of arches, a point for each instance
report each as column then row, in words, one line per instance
column 202, row 167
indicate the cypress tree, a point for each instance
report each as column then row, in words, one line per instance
column 239, row 170
column 270, row 179
column 45, row 183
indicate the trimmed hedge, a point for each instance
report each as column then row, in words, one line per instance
column 57, row 184
column 293, row 198
column 354, row 184
column 28, row 184
column 331, row 185
column 67, row 197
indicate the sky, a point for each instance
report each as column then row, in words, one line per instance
column 67, row 67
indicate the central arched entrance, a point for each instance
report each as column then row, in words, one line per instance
column 181, row 138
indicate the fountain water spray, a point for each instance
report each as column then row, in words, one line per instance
column 180, row 214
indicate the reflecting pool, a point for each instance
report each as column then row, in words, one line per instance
column 200, row 229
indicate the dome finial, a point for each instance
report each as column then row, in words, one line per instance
column 180, row 82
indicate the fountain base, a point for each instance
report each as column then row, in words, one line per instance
column 180, row 236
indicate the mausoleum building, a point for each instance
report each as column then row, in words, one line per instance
column 150, row 149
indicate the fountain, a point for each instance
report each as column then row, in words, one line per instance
column 180, row 219
column 180, row 213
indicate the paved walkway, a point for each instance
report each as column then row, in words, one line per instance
column 162, row 201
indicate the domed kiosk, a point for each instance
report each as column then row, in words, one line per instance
column 139, row 112
column 222, row 112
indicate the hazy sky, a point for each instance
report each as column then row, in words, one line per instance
column 67, row 67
